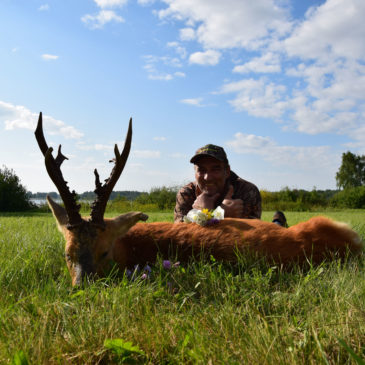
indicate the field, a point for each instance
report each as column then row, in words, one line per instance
column 202, row 312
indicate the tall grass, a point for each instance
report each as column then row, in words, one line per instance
column 202, row 312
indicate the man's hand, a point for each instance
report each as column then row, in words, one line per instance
column 205, row 201
column 233, row 208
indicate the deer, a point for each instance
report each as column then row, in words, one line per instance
column 93, row 242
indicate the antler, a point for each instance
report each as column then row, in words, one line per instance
column 103, row 191
column 53, row 167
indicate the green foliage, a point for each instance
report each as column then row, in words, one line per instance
column 353, row 198
column 164, row 197
column 352, row 171
column 19, row 359
column 296, row 199
column 124, row 350
column 13, row 195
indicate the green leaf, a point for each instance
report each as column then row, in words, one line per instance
column 352, row 353
column 19, row 359
column 122, row 348
column 79, row 293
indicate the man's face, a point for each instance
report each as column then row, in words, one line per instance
column 211, row 175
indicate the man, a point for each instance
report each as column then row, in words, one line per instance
column 216, row 185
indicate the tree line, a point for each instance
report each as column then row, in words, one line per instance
column 350, row 180
column 89, row 195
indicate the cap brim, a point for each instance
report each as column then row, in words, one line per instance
column 197, row 157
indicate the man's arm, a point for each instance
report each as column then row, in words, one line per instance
column 252, row 203
column 184, row 202
column 245, row 201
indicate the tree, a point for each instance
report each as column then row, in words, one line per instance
column 352, row 171
column 13, row 195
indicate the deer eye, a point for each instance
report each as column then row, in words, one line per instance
column 68, row 257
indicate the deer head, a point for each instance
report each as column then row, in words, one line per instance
column 89, row 241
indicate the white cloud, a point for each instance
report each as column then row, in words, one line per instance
column 151, row 63
column 187, row 34
column 257, row 97
column 309, row 157
column 335, row 28
column 146, row 154
column 181, row 51
column 110, row 3
column 209, row 57
column 99, row 20
column 218, row 24
column 267, row 63
column 160, row 77
column 19, row 117
column 44, row 7
column 159, row 138
column 323, row 54
column 193, row 101
column 179, row 74
column 49, row 57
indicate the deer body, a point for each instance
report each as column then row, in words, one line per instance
column 91, row 243
column 314, row 239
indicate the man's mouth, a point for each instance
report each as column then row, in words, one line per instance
column 210, row 187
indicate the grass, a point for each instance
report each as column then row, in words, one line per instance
column 206, row 313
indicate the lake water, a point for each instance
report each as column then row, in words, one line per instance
column 43, row 201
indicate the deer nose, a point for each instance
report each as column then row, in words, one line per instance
column 84, row 268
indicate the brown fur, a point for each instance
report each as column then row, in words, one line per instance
column 314, row 239
column 89, row 248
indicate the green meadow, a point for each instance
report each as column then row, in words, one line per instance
column 196, row 313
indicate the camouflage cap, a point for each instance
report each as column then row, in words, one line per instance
column 212, row 151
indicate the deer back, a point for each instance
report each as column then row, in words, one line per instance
column 316, row 239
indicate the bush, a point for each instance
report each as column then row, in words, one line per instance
column 13, row 195
column 296, row 199
column 350, row 198
column 164, row 197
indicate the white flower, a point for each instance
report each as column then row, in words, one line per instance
column 198, row 217
column 218, row 213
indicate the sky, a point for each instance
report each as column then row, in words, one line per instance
column 280, row 84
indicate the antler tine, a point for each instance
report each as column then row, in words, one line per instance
column 53, row 167
column 103, row 191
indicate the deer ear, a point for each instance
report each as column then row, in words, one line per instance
column 122, row 223
column 59, row 212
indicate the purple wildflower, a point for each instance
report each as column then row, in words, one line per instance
column 147, row 268
column 166, row 264
column 144, row 276
column 128, row 273
column 212, row 222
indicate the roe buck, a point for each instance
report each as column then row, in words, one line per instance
column 92, row 243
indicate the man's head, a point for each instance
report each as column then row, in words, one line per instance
column 211, row 169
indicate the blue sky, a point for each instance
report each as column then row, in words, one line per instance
column 279, row 84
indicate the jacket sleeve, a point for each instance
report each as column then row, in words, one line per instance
column 251, row 197
column 184, row 202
